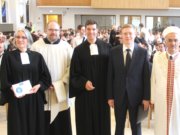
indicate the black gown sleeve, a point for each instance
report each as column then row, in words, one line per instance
column 77, row 80
column 5, row 73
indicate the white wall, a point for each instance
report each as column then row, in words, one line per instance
column 174, row 21
column 68, row 14
column 13, row 13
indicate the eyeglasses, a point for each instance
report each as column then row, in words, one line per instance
column 51, row 30
column 19, row 37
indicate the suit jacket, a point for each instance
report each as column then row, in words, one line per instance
column 136, row 81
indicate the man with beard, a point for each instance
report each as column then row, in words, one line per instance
column 57, row 54
column 165, row 85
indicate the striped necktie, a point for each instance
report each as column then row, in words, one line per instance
column 170, row 90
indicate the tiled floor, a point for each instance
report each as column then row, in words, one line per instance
column 145, row 129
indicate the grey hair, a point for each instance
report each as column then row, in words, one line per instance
column 28, row 35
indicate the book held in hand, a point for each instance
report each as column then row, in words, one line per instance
column 22, row 88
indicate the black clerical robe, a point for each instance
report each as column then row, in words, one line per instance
column 26, row 114
column 91, row 108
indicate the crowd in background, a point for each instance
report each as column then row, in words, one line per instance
column 149, row 39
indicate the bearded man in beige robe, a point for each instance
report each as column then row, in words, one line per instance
column 165, row 85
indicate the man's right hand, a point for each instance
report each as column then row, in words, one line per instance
column 111, row 103
column 89, row 86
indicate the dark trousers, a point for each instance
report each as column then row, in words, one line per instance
column 62, row 124
column 120, row 116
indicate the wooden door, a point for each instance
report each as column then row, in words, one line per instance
column 52, row 17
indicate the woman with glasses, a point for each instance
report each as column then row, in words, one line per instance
column 25, row 77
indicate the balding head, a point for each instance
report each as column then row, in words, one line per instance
column 53, row 31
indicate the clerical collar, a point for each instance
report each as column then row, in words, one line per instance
column 95, row 42
column 48, row 42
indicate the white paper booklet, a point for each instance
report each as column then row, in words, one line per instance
column 22, row 88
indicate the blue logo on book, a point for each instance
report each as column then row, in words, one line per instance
column 19, row 90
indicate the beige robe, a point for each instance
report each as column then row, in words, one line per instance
column 57, row 58
column 159, row 94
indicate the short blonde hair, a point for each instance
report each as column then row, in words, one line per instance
column 127, row 26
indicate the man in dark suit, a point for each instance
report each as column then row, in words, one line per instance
column 128, row 81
